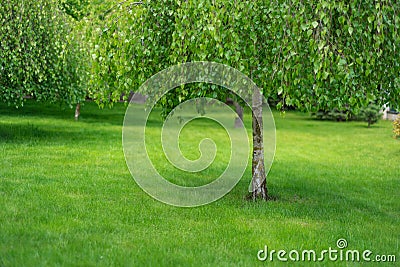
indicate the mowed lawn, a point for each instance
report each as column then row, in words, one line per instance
column 67, row 197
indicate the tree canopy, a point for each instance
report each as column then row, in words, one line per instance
column 40, row 56
column 308, row 54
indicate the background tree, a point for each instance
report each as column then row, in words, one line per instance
column 40, row 57
column 312, row 55
column 370, row 114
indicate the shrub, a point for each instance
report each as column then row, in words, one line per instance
column 396, row 127
column 344, row 114
column 370, row 114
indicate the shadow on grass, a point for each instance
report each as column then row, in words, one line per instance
column 365, row 126
column 90, row 112
column 318, row 196
column 17, row 132
column 27, row 133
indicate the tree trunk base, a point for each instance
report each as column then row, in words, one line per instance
column 77, row 111
column 250, row 197
column 260, row 191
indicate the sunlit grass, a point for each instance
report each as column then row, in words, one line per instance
column 67, row 197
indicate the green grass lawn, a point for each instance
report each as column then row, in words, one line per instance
column 67, row 197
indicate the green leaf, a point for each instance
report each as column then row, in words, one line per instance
column 350, row 29
column 371, row 19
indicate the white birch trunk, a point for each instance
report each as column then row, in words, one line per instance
column 77, row 111
column 259, row 188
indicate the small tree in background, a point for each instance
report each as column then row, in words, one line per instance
column 370, row 114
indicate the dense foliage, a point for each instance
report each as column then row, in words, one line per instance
column 315, row 55
column 75, row 8
column 39, row 57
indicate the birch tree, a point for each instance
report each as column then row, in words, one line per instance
column 311, row 55
column 39, row 55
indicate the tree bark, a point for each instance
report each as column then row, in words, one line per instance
column 258, row 183
column 77, row 111
column 239, row 112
